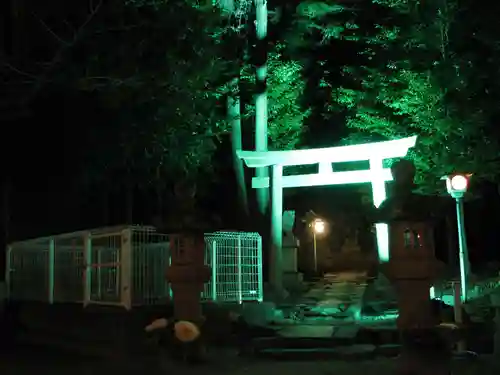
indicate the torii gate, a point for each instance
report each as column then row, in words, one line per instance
column 377, row 175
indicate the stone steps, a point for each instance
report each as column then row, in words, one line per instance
column 336, row 295
column 342, row 343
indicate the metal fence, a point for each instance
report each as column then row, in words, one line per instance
column 150, row 259
column 126, row 266
column 236, row 262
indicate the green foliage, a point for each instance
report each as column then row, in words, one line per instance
column 286, row 116
column 381, row 68
column 404, row 74
column 285, row 89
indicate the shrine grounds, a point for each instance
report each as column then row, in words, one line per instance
column 39, row 361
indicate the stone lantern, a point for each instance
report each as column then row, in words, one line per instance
column 412, row 269
column 187, row 275
column 187, row 272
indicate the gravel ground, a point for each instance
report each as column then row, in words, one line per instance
column 41, row 362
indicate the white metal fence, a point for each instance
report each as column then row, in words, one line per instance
column 236, row 262
column 126, row 266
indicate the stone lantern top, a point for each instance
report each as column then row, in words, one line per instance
column 404, row 204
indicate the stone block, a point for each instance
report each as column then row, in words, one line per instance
column 379, row 295
column 293, row 281
column 307, row 331
column 260, row 314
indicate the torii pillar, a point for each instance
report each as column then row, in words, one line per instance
column 377, row 175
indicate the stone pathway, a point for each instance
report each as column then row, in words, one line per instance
column 328, row 303
column 337, row 289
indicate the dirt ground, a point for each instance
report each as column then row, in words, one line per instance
column 40, row 362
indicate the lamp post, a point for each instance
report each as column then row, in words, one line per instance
column 318, row 227
column 457, row 185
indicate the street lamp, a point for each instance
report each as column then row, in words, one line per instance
column 456, row 185
column 318, row 227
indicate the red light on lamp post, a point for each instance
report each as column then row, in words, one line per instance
column 456, row 185
column 459, row 182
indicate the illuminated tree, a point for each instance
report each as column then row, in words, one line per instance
column 285, row 89
column 166, row 83
column 401, row 73
column 275, row 87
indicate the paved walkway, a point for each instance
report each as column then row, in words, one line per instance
column 330, row 307
column 336, row 291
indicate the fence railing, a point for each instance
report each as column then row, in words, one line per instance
column 236, row 262
column 126, row 266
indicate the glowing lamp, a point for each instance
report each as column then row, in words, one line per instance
column 457, row 184
column 319, row 226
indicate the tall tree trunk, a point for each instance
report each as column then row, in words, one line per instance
column 234, row 117
column 159, row 196
column 129, row 201
column 261, row 97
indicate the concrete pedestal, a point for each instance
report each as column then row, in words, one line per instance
column 424, row 352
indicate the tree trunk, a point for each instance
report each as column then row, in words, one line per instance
column 261, row 98
column 129, row 202
column 234, row 117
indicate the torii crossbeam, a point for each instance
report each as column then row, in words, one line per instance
column 377, row 175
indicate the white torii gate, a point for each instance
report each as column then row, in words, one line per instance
column 377, row 175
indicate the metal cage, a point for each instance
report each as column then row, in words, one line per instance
column 125, row 266
column 236, row 262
